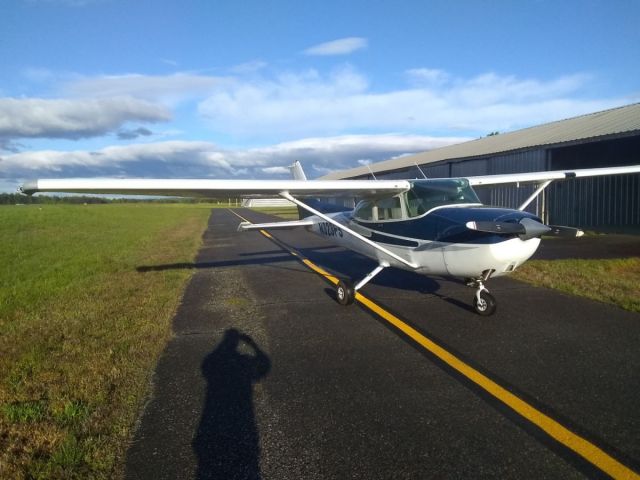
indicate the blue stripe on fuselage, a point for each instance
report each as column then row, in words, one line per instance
column 382, row 238
column 449, row 225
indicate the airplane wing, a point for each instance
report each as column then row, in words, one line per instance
column 537, row 177
column 218, row 188
column 297, row 188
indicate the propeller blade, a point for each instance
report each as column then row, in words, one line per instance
column 497, row 227
column 560, row 231
column 527, row 228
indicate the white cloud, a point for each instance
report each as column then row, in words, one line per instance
column 175, row 159
column 429, row 76
column 248, row 67
column 310, row 103
column 169, row 89
column 343, row 46
column 276, row 170
column 73, row 119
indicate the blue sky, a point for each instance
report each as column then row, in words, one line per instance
column 240, row 89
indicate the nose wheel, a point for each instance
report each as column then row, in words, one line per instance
column 484, row 303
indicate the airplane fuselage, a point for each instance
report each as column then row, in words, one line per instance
column 439, row 242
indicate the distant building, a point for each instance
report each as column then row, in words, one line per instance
column 602, row 139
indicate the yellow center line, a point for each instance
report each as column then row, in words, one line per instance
column 554, row 429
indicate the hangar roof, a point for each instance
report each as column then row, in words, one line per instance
column 617, row 121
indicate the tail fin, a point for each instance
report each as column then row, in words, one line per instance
column 297, row 172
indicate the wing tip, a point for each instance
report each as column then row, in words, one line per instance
column 29, row 188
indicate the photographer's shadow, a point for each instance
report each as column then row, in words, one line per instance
column 227, row 441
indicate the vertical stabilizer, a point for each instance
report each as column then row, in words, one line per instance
column 297, row 172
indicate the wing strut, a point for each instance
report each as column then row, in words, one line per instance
column 288, row 196
column 534, row 194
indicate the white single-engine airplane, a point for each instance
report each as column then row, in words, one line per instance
column 432, row 226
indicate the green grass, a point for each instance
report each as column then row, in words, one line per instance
column 614, row 281
column 81, row 329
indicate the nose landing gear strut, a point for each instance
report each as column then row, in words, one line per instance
column 483, row 302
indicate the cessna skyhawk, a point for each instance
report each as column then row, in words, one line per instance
column 431, row 226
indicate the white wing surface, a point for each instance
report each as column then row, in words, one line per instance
column 218, row 188
column 537, row 177
column 270, row 188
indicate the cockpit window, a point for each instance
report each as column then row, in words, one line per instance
column 423, row 196
column 364, row 210
column 389, row 208
column 380, row 209
column 427, row 194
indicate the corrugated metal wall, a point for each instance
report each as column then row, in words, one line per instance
column 596, row 202
column 512, row 196
column 436, row 171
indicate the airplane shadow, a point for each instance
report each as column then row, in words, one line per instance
column 348, row 264
column 227, row 443
column 282, row 257
column 338, row 261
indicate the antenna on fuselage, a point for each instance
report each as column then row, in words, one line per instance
column 425, row 177
column 372, row 174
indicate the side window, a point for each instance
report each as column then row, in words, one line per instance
column 428, row 194
column 364, row 210
column 389, row 209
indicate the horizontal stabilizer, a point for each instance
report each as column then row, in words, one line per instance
column 275, row 225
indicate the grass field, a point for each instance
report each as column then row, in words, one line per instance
column 81, row 329
column 614, row 281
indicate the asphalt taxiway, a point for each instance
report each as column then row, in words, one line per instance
column 268, row 377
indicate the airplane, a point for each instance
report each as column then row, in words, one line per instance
column 432, row 226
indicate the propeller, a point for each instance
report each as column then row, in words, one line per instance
column 527, row 228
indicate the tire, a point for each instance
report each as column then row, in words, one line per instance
column 487, row 305
column 345, row 293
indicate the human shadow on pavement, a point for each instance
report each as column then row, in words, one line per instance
column 227, row 442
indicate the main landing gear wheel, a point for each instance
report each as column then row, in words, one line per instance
column 345, row 292
column 486, row 305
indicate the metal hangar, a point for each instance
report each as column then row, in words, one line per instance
column 602, row 139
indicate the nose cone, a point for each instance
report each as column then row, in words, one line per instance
column 472, row 252
column 533, row 228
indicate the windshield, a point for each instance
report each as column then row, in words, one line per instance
column 427, row 194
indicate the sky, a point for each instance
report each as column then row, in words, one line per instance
column 241, row 89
